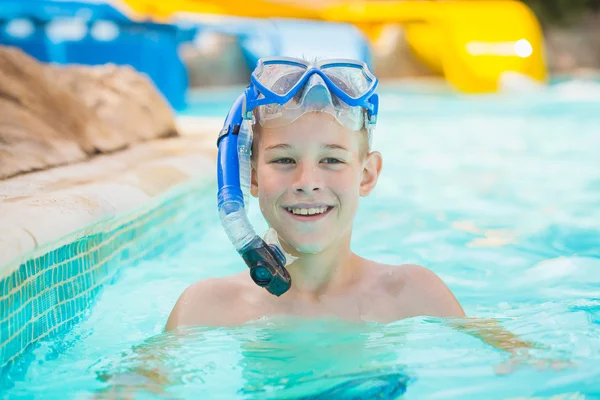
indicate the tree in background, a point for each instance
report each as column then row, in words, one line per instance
column 563, row 12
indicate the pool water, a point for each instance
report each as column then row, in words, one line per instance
column 499, row 195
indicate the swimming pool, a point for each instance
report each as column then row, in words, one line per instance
column 499, row 195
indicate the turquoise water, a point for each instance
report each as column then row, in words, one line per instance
column 499, row 195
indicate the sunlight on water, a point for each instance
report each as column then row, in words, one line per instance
column 499, row 195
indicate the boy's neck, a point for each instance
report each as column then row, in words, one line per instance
column 316, row 274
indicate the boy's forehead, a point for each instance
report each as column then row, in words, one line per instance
column 317, row 130
column 306, row 140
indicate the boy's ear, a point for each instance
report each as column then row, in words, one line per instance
column 371, row 170
column 253, row 181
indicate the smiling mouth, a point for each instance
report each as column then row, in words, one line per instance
column 308, row 213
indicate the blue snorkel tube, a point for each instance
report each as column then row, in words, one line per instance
column 266, row 262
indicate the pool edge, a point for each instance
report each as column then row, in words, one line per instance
column 68, row 231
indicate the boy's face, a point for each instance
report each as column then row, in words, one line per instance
column 308, row 177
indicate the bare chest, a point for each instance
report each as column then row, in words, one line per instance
column 364, row 306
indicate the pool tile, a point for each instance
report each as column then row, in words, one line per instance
column 68, row 278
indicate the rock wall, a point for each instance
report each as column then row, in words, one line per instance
column 215, row 60
column 52, row 115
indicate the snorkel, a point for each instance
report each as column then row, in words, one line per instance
column 266, row 262
column 355, row 106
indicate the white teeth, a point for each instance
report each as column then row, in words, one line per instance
column 307, row 211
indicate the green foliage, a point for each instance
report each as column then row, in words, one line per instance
column 562, row 12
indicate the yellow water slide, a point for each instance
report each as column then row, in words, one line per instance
column 472, row 43
column 165, row 11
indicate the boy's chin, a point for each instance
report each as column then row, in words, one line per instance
column 305, row 246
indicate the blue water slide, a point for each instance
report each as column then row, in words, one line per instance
column 91, row 33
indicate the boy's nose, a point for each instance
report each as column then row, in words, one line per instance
column 307, row 180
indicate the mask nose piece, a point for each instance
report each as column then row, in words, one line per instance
column 316, row 93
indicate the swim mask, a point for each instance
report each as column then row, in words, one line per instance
column 282, row 89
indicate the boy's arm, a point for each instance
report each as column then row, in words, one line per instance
column 433, row 298
column 424, row 293
column 182, row 313
column 430, row 296
column 491, row 332
column 206, row 303
column 143, row 368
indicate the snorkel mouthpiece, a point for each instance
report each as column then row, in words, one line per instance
column 266, row 262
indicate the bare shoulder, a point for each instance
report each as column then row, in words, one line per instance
column 211, row 302
column 419, row 291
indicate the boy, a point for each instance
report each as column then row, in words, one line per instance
column 311, row 163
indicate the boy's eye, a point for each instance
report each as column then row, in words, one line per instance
column 332, row 160
column 285, row 160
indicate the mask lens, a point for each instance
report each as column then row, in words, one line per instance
column 280, row 78
column 349, row 78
